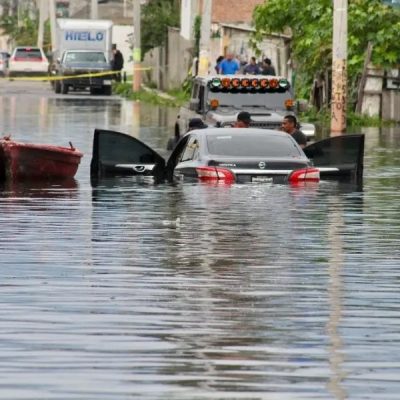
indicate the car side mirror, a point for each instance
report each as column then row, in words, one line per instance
column 194, row 104
column 58, row 60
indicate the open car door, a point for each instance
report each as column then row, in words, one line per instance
column 338, row 156
column 118, row 154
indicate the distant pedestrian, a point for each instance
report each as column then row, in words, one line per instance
column 267, row 68
column 117, row 62
column 251, row 68
column 196, row 123
column 217, row 63
column 229, row 65
column 291, row 126
column 243, row 120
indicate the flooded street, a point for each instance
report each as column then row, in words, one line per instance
column 192, row 291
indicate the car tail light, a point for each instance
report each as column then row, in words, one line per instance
column 215, row 174
column 304, row 175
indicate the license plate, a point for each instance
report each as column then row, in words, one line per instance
column 266, row 179
column 107, row 82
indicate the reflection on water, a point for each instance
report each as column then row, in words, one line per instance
column 193, row 291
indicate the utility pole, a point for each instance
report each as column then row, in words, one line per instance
column 204, row 56
column 94, row 10
column 43, row 11
column 137, row 53
column 53, row 28
column 339, row 67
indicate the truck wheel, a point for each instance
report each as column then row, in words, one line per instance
column 57, row 87
column 64, row 88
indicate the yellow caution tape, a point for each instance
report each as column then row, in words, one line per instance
column 64, row 77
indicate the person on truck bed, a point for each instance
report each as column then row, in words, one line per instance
column 229, row 66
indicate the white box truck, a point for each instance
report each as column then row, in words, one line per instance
column 83, row 48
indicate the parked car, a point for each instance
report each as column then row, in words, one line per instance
column 75, row 68
column 26, row 60
column 4, row 56
column 232, row 155
column 218, row 99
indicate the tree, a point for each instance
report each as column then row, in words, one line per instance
column 157, row 16
column 310, row 23
column 22, row 28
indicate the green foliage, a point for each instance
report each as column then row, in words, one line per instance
column 323, row 117
column 157, row 16
column 310, row 23
column 23, row 31
column 197, row 34
column 175, row 99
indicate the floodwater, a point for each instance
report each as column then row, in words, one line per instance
column 192, row 291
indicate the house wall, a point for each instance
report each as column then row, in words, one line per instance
column 179, row 59
column 378, row 99
column 391, row 96
column 228, row 11
column 169, row 65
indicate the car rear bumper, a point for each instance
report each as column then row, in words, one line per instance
column 15, row 69
column 87, row 82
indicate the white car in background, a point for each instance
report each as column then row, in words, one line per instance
column 27, row 60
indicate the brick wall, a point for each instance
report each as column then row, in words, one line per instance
column 231, row 11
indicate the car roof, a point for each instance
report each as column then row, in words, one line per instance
column 232, row 131
column 83, row 51
column 27, row 48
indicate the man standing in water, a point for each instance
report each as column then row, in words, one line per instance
column 290, row 126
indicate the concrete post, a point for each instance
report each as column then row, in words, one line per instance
column 137, row 53
column 94, row 14
column 42, row 18
column 204, row 56
column 339, row 67
column 53, row 28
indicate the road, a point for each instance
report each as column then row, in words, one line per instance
column 18, row 86
column 260, row 292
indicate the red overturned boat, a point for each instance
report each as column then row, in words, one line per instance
column 28, row 161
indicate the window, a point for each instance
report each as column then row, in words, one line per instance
column 252, row 145
column 28, row 53
column 191, row 151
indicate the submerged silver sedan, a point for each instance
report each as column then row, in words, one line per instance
column 230, row 155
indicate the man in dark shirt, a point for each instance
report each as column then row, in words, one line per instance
column 251, row 68
column 243, row 120
column 117, row 62
column 267, row 68
column 290, row 126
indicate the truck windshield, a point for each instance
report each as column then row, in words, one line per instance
column 274, row 101
column 80, row 56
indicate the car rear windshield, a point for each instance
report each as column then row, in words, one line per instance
column 252, row 145
column 92, row 57
column 28, row 54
